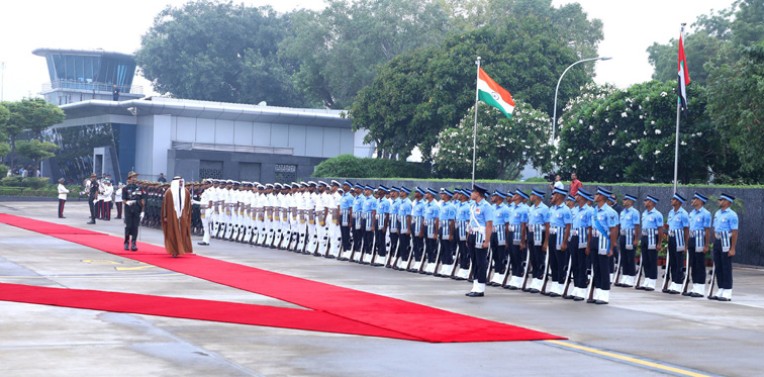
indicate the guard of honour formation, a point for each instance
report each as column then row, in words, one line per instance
column 574, row 247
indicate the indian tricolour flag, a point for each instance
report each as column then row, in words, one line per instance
column 494, row 95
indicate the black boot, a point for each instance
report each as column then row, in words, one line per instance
column 126, row 245
column 134, row 247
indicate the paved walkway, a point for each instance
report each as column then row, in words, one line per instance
column 638, row 334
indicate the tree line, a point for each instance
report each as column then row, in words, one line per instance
column 405, row 71
column 22, row 126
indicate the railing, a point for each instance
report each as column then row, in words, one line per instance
column 90, row 86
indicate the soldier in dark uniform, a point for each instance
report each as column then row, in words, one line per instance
column 92, row 194
column 196, row 212
column 134, row 198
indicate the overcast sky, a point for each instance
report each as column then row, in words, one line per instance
column 629, row 28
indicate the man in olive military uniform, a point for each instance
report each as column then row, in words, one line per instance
column 134, row 198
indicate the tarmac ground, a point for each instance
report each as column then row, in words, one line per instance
column 638, row 334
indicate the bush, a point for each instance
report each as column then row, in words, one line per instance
column 348, row 166
column 33, row 182
column 3, row 170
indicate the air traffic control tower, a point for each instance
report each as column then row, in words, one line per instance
column 81, row 75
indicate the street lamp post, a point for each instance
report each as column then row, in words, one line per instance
column 557, row 89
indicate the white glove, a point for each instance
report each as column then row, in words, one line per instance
column 142, row 216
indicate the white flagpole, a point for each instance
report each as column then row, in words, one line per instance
column 678, row 112
column 474, row 131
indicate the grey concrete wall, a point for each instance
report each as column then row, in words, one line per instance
column 749, row 205
column 186, row 164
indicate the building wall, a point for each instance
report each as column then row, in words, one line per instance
column 259, row 167
column 303, row 141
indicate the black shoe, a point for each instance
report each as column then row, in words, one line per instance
column 533, row 290
column 672, row 292
column 568, row 297
column 127, row 246
column 546, row 293
column 134, row 247
column 203, row 243
column 576, row 298
column 693, row 294
column 511, row 287
column 61, row 217
column 591, row 301
column 723, row 299
column 686, row 294
column 91, row 222
column 600, row 302
column 649, row 289
column 554, row 294
column 475, row 294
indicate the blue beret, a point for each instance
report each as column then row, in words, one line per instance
column 678, row 197
column 700, row 197
column 727, row 197
column 480, row 189
column 521, row 193
column 630, row 197
column 538, row 193
column 419, row 190
column 604, row 192
column 560, row 191
column 652, row 199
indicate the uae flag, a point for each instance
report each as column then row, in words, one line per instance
column 494, row 95
column 684, row 76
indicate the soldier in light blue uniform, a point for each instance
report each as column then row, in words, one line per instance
column 604, row 239
column 628, row 241
column 578, row 245
column 346, row 219
column 369, row 212
column 652, row 235
column 359, row 222
column 499, row 252
column 447, row 223
column 699, row 245
column 480, row 230
column 431, row 214
column 538, row 228
column 417, row 219
column 395, row 202
column 560, row 221
column 462, row 221
column 678, row 222
column 517, row 236
column 725, row 231
column 383, row 221
column 404, row 227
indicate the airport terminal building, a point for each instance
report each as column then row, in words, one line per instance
column 110, row 133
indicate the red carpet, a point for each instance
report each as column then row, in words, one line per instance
column 335, row 309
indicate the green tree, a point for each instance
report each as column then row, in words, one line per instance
column 505, row 146
column 426, row 91
column 718, row 39
column 5, row 115
column 219, row 52
column 341, row 48
column 29, row 114
column 611, row 135
column 568, row 22
column 36, row 150
column 737, row 108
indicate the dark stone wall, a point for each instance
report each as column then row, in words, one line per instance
column 749, row 204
